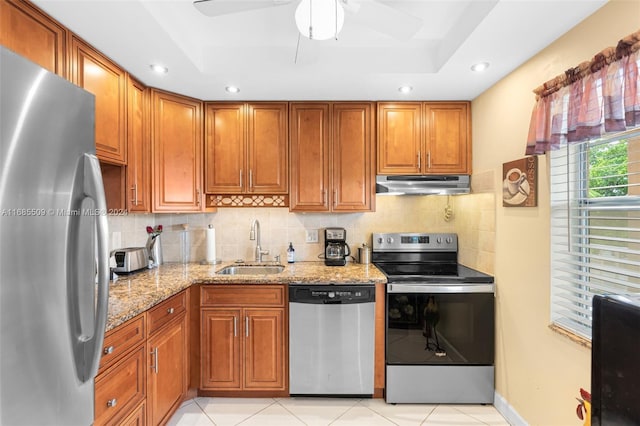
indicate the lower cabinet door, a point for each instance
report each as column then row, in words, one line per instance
column 120, row 388
column 220, row 346
column 168, row 370
column 265, row 361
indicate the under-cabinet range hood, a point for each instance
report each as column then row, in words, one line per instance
column 423, row 185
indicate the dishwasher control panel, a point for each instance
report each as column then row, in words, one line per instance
column 331, row 294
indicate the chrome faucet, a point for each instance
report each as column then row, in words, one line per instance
column 255, row 235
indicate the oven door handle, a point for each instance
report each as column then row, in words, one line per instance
column 440, row 288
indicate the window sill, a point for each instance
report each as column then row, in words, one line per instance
column 571, row 336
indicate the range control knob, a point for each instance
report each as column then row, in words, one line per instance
column 449, row 240
column 331, row 295
column 439, row 240
column 380, row 240
column 389, row 240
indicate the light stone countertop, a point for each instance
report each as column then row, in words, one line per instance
column 130, row 295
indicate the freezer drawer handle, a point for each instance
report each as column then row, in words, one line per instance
column 109, row 350
column 112, row 402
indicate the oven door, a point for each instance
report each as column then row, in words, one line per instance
column 430, row 324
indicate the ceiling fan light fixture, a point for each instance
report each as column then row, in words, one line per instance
column 480, row 66
column 319, row 19
column 232, row 89
column 405, row 89
column 160, row 69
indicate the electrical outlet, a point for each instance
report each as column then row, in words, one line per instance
column 311, row 236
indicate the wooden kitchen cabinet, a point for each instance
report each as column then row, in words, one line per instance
column 167, row 362
column 399, row 138
column 243, row 340
column 176, row 136
column 221, row 350
column 264, row 358
column 424, row 138
column 332, row 157
column 138, row 148
column 120, row 386
column 95, row 73
column 246, row 148
column 29, row 32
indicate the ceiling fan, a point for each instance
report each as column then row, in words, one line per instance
column 371, row 13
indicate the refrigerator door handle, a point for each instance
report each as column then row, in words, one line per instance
column 94, row 189
column 88, row 310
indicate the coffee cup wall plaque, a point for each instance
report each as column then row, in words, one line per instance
column 520, row 183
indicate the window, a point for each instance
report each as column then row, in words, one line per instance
column 595, row 226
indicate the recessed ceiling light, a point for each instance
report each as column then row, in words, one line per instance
column 480, row 66
column 160, row 69
column 405, row 89
column 232, row 89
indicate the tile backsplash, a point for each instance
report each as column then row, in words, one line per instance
column 473, row 219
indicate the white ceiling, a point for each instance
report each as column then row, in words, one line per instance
column 256, row 50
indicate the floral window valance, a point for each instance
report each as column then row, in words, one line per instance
column 594, row 98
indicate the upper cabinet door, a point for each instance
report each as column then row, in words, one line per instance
column 400, row 138
column 448, row 139
column 267, row 146
column 98, row 75
column 309, row 129
column 138, row 148
column 32, row 34
column 225, row 148
column 352, row 157
column 176, row 144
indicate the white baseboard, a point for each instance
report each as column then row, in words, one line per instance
column 508, row 412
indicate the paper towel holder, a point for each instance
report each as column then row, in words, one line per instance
column 214, row 261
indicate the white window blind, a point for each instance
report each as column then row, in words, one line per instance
column 595, row 226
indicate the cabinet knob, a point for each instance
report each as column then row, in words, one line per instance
column 108, row 350
column 112, row 402
column 170, row 311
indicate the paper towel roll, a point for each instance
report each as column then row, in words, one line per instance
column 211, row 244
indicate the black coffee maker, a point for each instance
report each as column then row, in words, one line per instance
column 336, row 249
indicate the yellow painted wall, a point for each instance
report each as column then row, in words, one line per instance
column 539, row 371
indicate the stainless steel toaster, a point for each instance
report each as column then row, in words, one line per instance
column 130, row 259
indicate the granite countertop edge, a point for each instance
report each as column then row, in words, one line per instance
column 133, row 294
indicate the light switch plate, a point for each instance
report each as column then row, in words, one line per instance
column 311, row 236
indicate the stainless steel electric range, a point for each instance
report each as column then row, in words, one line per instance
column 440, row 334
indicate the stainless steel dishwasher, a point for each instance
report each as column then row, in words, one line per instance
column 331, row 340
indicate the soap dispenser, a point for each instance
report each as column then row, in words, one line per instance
column 291, row 254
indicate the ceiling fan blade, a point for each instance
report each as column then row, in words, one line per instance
column 382, row 18
column 227, row 7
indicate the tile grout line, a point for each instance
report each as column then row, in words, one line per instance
column 292, row 413
column 195, row 400
column 429, row 414
column 259, row 411
column 380, row 414
column 345, row 412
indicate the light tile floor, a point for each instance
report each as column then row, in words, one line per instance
column 329, row 411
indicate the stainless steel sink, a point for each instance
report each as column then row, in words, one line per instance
column 251, row 270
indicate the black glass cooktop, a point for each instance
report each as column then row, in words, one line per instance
column 432, row 273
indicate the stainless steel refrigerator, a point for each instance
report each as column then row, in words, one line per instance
column 53, row 248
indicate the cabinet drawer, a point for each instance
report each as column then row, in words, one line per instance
column 120, row 388
column 138, row 417
column 166, row 311
column 242, row 295
column 122, row 338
